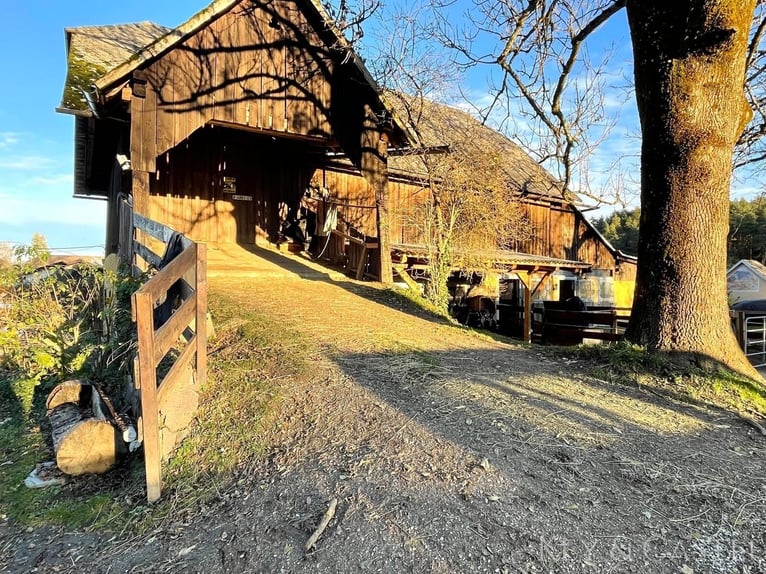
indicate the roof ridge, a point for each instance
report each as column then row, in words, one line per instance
column 142, row 23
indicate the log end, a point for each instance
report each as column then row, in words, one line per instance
column 91, row 446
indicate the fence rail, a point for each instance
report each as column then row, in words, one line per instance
column 170, row 312
column 564, row 327
column 750, row 331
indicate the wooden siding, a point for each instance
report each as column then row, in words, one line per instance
column 354, row 199
column 261, row 65
column 557, row 231
column 187, row 193
column 407, row 201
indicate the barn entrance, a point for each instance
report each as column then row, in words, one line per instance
column 228, row 185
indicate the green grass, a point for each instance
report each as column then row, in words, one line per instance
column 663, row 373
column 414, row 298
column 250, row 359
column 22, row 446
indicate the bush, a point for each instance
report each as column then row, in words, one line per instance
column 60, row 322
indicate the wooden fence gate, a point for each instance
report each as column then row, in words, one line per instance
column 170, row 312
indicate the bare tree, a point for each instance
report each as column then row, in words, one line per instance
column 751, row 146
column 467, row 207
column 550, row 94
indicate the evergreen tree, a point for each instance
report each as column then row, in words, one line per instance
column 621, row 229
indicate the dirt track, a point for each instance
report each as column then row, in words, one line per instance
column 452, row 452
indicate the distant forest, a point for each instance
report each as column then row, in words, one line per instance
column 747, row 230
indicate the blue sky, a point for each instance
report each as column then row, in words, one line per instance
column 36, row 142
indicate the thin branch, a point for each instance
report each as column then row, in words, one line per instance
column 755, row 41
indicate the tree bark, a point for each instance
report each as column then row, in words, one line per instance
column 689, row 74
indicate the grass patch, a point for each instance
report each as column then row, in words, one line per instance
column 664, row 373
column 22, row 446
column 415, row 299
column 417, row 303
column 250, row 360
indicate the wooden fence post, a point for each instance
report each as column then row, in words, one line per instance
column 200, row 289
column 144, row 305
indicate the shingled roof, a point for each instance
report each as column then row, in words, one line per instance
column 93, row 51
column 439, row 127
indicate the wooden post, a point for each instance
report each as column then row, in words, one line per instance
column 200, row 289
column 527, row 315
column 141, row 185
column 362, row 263
column 526, row 280
column 144, row 308
column 739, row 327
column 374, row 167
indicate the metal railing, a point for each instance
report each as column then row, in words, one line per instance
column 754, row 340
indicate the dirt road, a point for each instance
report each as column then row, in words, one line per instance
column 449, row 451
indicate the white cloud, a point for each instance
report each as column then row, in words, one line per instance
column 740, row 190
column 48, row 205
column 8, row 139
column 60, row 179
column 26, row 163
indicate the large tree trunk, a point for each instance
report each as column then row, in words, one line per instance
column 689, row 74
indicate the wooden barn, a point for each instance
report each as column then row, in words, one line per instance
column 255, row 120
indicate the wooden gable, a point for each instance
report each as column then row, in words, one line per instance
column 261, row 65
column 273, row 66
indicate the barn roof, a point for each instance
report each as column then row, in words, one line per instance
column 98, row 63
column 93, row 51
column 437, row 127
column 756, row 266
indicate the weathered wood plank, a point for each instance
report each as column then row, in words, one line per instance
column 356, row 240
column 143, row 303
column 160, row 283
column 362, row 263
column 174, row 379
column 167, row 335
column 147, row 254
column 137, row 159
column 149, row 131
column 177, row 411
column 200, row 291
column 153, row 228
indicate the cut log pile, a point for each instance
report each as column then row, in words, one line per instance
column 88, row 436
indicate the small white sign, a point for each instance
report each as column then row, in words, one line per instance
column 242, row 197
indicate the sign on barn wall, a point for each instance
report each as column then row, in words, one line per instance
column 229, row 184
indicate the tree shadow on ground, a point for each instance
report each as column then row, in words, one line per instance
column 480, row 399
column 569, row 455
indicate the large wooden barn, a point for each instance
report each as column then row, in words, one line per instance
column 252, row 112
